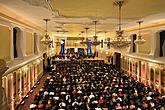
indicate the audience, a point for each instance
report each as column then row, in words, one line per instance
column 93, row 85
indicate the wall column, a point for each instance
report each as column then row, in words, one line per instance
column 149, row 72
column 137, row 48
column 131, row 45
column 11, row 46
column 16, row 98
column 3, row 69
column 159, row 79
column 23, row 43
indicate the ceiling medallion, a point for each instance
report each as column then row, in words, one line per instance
column 46, row 39
column 120, row 42
column 140, row 40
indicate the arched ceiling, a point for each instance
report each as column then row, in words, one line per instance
column 74, row 15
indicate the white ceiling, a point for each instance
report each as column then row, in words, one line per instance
column 74, row 15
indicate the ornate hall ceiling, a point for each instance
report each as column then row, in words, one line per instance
column 73, row 16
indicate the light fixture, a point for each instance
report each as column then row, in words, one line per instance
column 57, row 41
column 120, row 42
column 107, row 41
column 140, row 41
column 105, row 38
column 86, row 40
column 95, row 42
column 46, row 39
column 81, row 42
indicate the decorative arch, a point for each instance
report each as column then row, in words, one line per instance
column 36, row 43
column 133, row 47
column 17, row 42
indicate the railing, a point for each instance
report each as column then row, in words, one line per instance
column 20, row 78
column 149, row 71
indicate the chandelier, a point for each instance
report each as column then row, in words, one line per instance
column 46, row 39
column 57, row 41
column 140, row 40
column 82, row 41
column 120, row 42
column 86, row 39
column 107, row 41
column 95, row 42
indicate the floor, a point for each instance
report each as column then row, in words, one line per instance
column 29, row 100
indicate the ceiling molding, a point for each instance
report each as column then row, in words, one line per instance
column 43, row 3
column 38, row 3
column 14, row 18
column 154, row 25
column 88, row 20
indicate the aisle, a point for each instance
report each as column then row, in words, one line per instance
column 29, row 100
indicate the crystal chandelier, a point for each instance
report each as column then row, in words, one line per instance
column 86, row 39
column 57, row 41
column 82, row 41
column 46, row 39
column 140, row 40
column 107, row 41
column 120, row 42
column 95, row 42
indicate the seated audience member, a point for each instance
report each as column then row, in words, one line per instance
column 93, row 85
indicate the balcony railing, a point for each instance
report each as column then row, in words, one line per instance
column 147, row 70
column 20, row 78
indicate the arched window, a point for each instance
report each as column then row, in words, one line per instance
column 162, row 44
column 133, row 37
column 36, row 43
column 15, row 42
column 133, row 40
column 17, row 33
